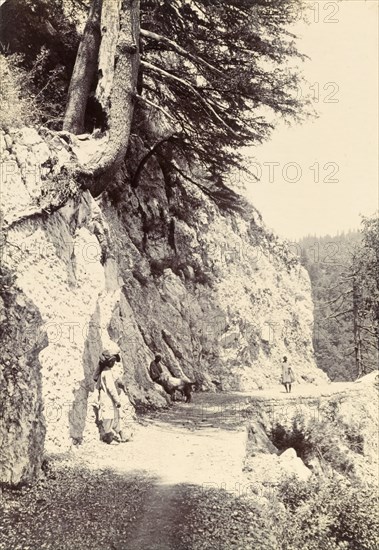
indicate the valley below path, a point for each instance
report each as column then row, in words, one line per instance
column 141, row 495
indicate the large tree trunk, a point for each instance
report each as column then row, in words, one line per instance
column 357, row 330
column 110, row 26
column 84, row 72
column 117, row 88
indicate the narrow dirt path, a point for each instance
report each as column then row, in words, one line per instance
column 142, row 495
column 178, row 449
column 202, row 444
column 173, row 455
column 158, row 521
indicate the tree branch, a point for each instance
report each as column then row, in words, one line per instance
column 342, row 295
column 368, row 330
column 181, row 51
column 340, row 313
column 371, row 344
column 204, row 189
column 155, row 106
column 150, row 153
column 182, row 82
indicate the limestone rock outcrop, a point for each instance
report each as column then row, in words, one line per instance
column 271, row 469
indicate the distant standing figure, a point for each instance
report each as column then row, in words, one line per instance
column 108, row 396
column 288, row 376
column 155, row 370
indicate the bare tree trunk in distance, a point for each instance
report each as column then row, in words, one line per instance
column 84, row 71
column 357, row 331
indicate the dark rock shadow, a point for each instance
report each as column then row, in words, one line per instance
column 91, row 353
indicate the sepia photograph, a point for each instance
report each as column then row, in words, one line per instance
column 189, row 275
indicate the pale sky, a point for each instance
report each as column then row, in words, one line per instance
column 343, row 141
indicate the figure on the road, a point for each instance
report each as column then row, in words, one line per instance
column 109, row 400
column 288, row 376
column 170, row 384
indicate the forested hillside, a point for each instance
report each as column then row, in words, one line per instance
column 345, row 343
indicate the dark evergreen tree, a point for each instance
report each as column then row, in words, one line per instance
column 217, row 72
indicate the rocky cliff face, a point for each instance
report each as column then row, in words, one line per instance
column 22, row 424
column 217, row 294
column 155, row 268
